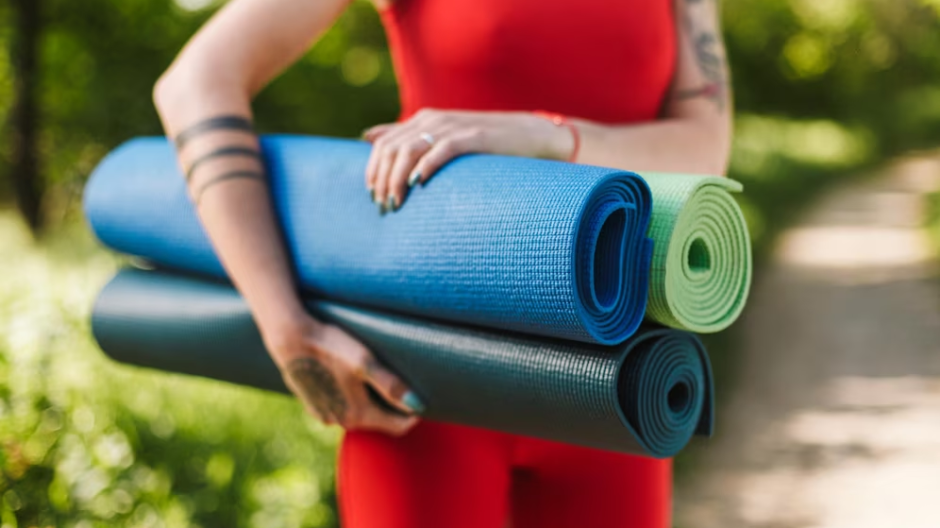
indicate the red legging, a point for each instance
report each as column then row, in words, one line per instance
column 449, row 476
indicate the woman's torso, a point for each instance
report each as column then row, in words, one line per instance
column 606, row 60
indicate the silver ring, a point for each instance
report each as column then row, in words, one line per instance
column 427, row 138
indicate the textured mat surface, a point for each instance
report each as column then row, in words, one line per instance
column 647, row 396
column 701, row 271
column 533, row 246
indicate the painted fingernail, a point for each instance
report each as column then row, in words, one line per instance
column 391, row 205
column 381, row 205
column 414, row 178
column 413, row 402
column 372, row 194
column 364, row 133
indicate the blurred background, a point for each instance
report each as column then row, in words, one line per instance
column 829, row 385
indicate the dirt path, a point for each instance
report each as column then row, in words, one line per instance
column 835, row 419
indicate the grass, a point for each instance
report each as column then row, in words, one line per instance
column 87, row 443
column 932, row 220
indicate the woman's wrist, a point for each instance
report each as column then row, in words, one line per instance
column 283, row 328
column 562, row 139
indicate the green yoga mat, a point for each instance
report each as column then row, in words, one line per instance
column 701, row 270
column 647, row 396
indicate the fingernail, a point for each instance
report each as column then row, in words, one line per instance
column 381, row 205
column 372, row 194
column 413, row 402
column 414, row 178
column 391, row 206
column 363, row 134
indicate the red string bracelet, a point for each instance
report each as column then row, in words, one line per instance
column 560, row 120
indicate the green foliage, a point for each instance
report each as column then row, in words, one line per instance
column 932, row 219
column 825, row 89
column 85, row 442
column 858, row 62
column 101, row 58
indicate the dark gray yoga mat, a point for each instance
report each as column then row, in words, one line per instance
column 647, row 396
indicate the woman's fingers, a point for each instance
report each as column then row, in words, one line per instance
column 385, row 158
column 391, row 388
column 443, row 151
column 381, row 160
column 338, row 380
column 375, row 419
column 396, row 149
column 371, row 170
column 371, row 416
column 416, row 158
column 405, row 160
column 373, row 133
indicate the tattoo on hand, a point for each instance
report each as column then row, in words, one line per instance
column 317, row 386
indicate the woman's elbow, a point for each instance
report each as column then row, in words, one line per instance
column 194, row 83
column 172, row 90
column 164, row 91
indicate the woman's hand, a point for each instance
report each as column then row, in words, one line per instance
column 329, row 371
column 408, row 153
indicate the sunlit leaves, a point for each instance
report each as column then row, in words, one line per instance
column 87, row 443
column 806, row 56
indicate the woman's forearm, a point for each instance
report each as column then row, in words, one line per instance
column 237, row 215
column 245, row 45
column 232, row 57
column 669, row 145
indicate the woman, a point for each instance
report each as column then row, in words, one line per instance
column 636, row 84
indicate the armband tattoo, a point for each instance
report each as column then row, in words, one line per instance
column 222, row 152
column 229, row 122
column 226, row 176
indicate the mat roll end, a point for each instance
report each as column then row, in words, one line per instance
column 613, row 258
column 702, row 264
column 665, row 390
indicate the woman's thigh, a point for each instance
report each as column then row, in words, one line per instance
column 562, row 486
column 438, row 475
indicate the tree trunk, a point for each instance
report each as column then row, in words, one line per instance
column 24, row 112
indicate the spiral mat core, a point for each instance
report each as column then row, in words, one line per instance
column 662, row 388
column 701, row 270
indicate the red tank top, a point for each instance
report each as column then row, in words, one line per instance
column 606, row 60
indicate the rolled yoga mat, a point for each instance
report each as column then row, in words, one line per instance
column 504, row 255
column 533, row 246
column 647, row 396
column 701, row 271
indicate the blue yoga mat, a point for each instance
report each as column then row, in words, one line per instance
column 532, row 246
